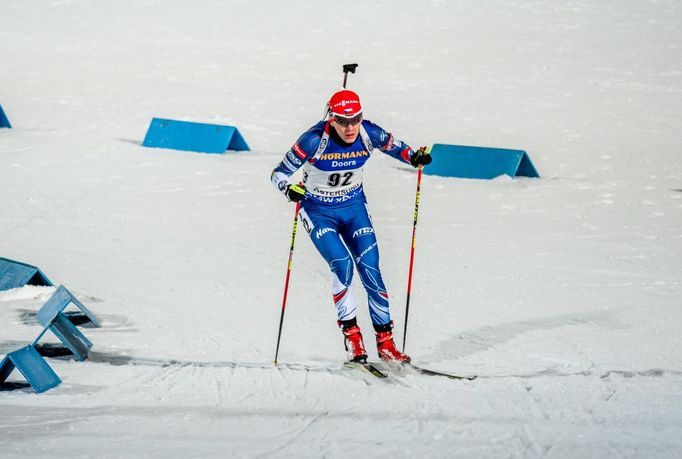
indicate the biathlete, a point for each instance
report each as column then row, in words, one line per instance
column 334, row 211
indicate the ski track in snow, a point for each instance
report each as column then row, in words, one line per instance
column 562, row 294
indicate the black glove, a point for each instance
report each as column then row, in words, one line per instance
column 294, row 192
column 421, row 157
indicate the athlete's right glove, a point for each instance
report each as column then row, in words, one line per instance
column 421, row 157
column 294, row 193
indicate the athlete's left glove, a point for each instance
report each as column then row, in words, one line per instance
column 294, row 192
column 421, row 157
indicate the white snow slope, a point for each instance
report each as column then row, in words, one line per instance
column 562, row 293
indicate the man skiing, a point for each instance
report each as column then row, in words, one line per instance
column 334, row 212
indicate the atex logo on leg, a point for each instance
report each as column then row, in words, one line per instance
column 363, row 232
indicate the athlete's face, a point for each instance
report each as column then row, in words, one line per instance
column 347, row 128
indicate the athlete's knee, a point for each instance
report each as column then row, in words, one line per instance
column 371, row 259
column 371, row 278
column 343, row 269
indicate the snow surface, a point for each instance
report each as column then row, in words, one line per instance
column 561, row 293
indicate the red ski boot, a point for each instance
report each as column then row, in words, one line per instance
column 386, row 347
column 354, row 344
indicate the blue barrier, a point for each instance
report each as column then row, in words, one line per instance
column 4, row 122
column 479, row 162
column 188, row 136
column 32, row 365
column 51, row 316
column 14, row 274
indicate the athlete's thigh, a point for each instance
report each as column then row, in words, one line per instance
column 324, row 233
column 358, row 233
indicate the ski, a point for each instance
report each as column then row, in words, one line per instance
column 426, row 371
column 368, row 367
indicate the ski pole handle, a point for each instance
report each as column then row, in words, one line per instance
column 348, row 68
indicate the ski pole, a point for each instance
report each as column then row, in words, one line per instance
column 414, row 241
column 286, row 281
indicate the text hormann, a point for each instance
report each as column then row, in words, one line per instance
column 346, row 155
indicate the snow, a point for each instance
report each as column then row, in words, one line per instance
column 561, row 293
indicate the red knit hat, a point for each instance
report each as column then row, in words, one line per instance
column 345, row 104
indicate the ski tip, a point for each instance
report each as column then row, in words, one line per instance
column 366, row 367
column 427, row 371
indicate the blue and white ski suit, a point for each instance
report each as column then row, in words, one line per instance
column 334, row 211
